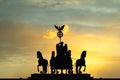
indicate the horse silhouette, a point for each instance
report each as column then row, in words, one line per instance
column 81, row 62
column 42, row 62
column 52, row 62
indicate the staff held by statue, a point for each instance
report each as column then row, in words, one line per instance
column 60, row 33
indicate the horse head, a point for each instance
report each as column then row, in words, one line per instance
column 39, row 55
column 83, row 55
column 81, row 62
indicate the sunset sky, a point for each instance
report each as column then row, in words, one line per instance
column 27, row 26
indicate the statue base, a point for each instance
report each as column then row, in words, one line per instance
column 60, row 77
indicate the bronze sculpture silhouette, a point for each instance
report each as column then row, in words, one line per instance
column 59, row 34
column 63, row 58
column 81, row 62
column 42, row 62
column 59, row 28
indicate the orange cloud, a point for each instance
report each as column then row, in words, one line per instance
column 50, row 34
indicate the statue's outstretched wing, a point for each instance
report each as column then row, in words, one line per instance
column 56, row 27
column 62, row 27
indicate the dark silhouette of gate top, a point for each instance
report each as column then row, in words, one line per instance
column 59, row 33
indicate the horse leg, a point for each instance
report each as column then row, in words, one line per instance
column 56, row 71
column 77, row 69
column 84, row 68
column 66, row 71
column 80, row 69
column 44, row 69
column 38, row 68
column 52, row 70
column 61, row 71
column 69, row 71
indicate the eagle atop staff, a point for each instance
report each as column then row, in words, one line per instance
column 59, row 28
column 59, row 34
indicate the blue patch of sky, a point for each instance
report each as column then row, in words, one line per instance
column 45, row 12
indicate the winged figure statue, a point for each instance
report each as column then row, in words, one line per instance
column 59, row 28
